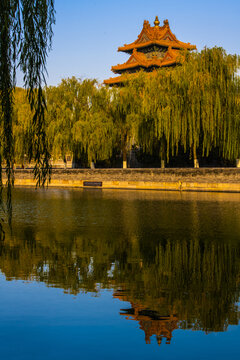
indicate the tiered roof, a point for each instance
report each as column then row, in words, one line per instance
column 156, row 35
column 139, row 59
column 156, row 46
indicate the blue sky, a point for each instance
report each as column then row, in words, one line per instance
column 88, row 33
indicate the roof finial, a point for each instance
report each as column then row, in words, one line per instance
column 156, row 22
column 166, row 23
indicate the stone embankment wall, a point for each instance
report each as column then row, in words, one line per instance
column 203, row 179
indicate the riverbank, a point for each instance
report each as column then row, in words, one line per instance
column 179, row 179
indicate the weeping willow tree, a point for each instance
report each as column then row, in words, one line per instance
column 195, row 105
column 25, row 38
column 125, row 105
column 22, row 119
column 94, row 132
column 66, row 103
column 79, row 120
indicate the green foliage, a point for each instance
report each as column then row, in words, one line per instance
column 125, row 106
column 195, row 106
column 22, row 120
column 93, row 131
column 79, row 119
column 63, row 110
column 25, row 38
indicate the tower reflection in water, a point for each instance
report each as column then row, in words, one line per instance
column 149, row 321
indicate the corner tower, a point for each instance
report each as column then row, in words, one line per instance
column 155, row 47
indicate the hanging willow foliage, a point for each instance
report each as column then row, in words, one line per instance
column 93, row 131
column 22, row 119
column 66, row 103
column 125, row 105
column 195, row 105
column 25, row 38
column 79, row 120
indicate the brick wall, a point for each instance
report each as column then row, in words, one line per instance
column 225, row 175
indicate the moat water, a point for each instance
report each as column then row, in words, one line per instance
column 92, row 274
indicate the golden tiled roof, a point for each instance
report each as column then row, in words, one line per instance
column 156, row 35
column 140, row 60
column 117, row 80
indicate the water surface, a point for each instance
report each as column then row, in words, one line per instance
column 110, row 274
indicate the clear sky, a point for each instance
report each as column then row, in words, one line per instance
column 88, row 33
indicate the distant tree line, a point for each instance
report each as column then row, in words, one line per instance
column 193, row 109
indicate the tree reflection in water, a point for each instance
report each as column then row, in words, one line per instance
column 176, row 265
